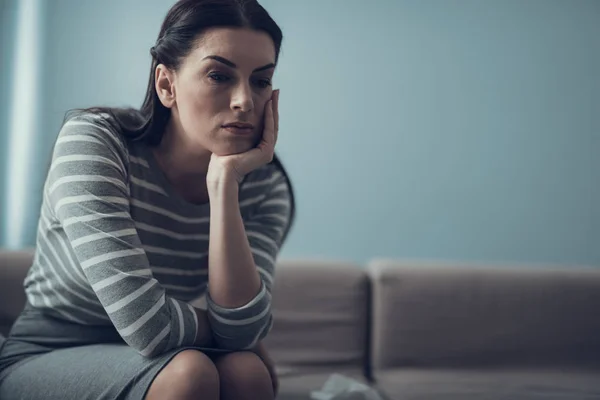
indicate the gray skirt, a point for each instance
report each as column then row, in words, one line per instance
column 47, row 358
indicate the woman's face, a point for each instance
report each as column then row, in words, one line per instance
column 226, row 79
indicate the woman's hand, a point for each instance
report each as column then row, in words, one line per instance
column 236, row 166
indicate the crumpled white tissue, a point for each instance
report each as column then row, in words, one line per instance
column 339, row 387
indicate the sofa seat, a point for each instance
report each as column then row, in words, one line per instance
column 298, row 383
column 490, row 384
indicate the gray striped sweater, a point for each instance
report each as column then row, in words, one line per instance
column 116, row 245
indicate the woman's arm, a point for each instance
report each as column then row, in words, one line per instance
column 242, row 253
column 233, row 277
column 242, row 258
column 88, row 195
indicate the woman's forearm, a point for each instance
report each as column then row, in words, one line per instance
column 233, row 278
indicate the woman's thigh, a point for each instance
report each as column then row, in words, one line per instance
column 103, row 371
column 243, row 375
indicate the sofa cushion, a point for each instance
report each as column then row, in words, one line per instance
column 14, row 266
column 320, row 312
column 443, row 315
column 414, row 384
column 296, row 385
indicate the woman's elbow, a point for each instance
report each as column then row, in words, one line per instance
column 246, row 339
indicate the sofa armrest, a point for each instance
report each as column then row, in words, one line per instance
column 14, row 266
column 442, row 315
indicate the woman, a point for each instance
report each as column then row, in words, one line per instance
column 146, row 210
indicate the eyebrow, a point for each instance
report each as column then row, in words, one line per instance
column 232, row 64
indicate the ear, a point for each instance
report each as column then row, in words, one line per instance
column 165, row 85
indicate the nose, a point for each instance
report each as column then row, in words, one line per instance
column 241, row 99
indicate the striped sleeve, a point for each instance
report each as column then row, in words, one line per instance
column 88, row 195
column 241, row 328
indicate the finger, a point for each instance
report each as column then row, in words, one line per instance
column 276, row 115
column 269, row 131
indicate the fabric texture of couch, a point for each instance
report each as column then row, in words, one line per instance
column 417, row 330
column 485, row 332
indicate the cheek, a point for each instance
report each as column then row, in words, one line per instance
column 260, row 102
column 195, row 103
column 263, row 96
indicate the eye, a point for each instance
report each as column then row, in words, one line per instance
column 217, row 77
column 263, row 83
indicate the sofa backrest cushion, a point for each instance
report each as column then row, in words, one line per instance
column 320, row 312
column 428, row 315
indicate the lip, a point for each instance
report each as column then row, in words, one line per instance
column 239, row 125
column 239, row 131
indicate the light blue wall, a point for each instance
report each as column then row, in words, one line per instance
column 423, row 129
column 453, row 130
column 596, row 154
column 8, row 12
column 96, row 54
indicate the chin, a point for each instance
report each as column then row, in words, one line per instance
column 235, row 145
column 231, row 148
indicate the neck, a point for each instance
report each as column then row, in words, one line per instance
column 185, row 170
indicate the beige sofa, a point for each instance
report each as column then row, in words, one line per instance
column 422, row 330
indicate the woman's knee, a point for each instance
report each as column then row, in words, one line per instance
column 243, row 375
column 187, row 374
